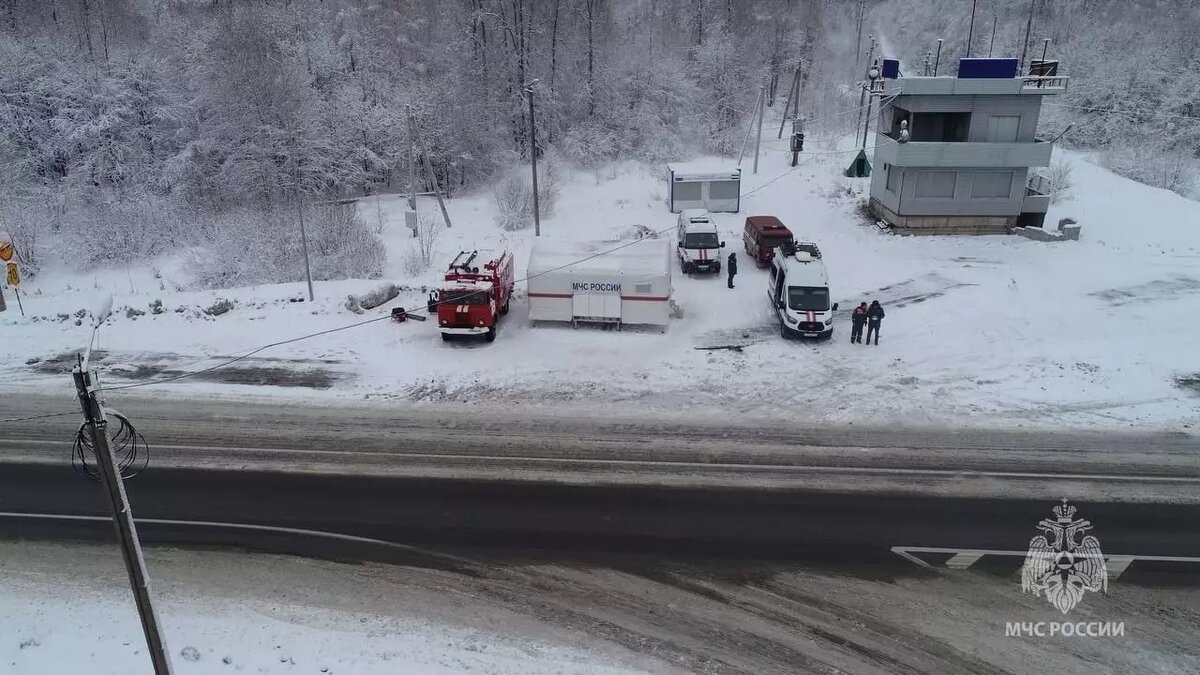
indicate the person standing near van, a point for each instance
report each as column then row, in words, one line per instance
column 857, row 318
column 732, row 267
column 874, row 320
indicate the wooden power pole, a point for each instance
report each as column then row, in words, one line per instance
column 122, row 514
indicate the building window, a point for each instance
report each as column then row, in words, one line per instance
column 686, row 192
column 939, row 127
column 723, row 189
column 936, row 184
column 1003, row 128
column 893, row 179
column 992, row 184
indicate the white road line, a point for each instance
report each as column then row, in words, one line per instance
column 241, row 526
column 806, row 468
column 1117, row 564
column 910, row 557
column 963, row 560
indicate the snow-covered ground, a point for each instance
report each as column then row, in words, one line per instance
column 68, row 609
column 979, row 330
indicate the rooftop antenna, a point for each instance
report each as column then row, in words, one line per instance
column 992, row 42
column 971, row 29
column 1028, row 28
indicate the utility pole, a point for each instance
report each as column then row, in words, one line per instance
column 746, row 138
column 304, row 241
column 872, row 76
column 762, row 97
column 437, row 191
column 1028, row 28
column 971, row 29
column 937, row 60
column 412, row 159
column 537, row 216
column 787, row 103
column 303, row 233
column 862, row 10
column 122, row 514
column 863, row 94
column 3, row 307
column 992, row 43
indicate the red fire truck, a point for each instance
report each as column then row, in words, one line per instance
column 472, row 298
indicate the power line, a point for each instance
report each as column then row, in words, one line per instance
column 256, row 350
column 309, row 336
column 38, row 417
column 243, row 356
column 1129, row 113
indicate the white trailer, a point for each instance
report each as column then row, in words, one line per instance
column 713, row 185
column 631, row 285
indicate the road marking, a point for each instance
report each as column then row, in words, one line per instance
column 244, row 526
column 963, row 560
column 1117, row 564
column 805, row 468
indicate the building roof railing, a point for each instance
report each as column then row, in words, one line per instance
column 950, row 86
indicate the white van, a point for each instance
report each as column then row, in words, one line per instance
column 698, row 245
column 799, row 292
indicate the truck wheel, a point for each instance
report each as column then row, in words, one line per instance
column 783, row 333
column 687, row 268
column 490, row 336
column 504, row 309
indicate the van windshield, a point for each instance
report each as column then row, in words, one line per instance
column 701, row 240
column 808, row 298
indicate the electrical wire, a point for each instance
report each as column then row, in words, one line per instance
column 242, row 357
column 128, row 446
column 229, row 362
column 38, row 417
column 1128, row 113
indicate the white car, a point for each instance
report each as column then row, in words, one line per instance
column 799, row 293
column 698, row 243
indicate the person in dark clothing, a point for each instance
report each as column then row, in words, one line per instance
column 857, row 318
column 874, row 320
column 731, row 267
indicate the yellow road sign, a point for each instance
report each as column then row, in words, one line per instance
column 6, row 247
column 14, row 275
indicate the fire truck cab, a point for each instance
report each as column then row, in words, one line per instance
column 472, row 298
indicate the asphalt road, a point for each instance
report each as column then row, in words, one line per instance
column 476, row 477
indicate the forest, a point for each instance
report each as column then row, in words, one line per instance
column 129, row 128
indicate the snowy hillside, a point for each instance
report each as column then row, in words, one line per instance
column 979, row 331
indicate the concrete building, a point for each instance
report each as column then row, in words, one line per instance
column 964, row 164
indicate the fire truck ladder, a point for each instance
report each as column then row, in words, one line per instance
column 465, row 265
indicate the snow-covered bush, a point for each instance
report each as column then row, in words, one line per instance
column 251, row 246
column 419, row 254
column 30, row 229
column 590, row 143
column 513, row 195
column 1059, row 175
column 513, row 203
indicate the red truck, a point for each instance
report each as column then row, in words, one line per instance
column 472, row 299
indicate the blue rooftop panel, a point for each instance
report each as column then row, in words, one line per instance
column 981, row 69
